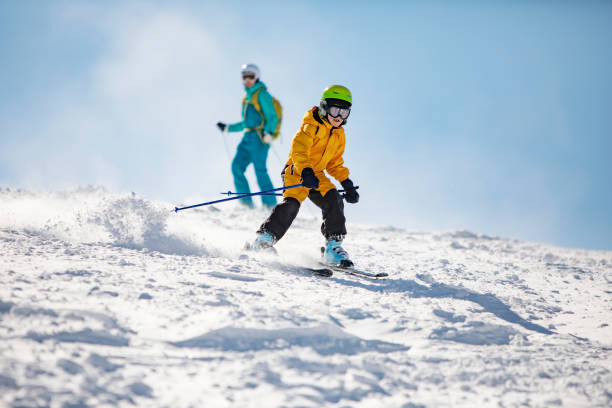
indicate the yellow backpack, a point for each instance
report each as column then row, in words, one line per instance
column 277, row 108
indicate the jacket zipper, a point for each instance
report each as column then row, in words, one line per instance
column 330, row 135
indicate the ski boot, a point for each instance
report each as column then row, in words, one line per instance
column 263, row 242
column 334, row 254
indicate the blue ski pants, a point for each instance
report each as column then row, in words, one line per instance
column 252, row 150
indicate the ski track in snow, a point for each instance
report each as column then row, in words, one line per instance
column 113, row 300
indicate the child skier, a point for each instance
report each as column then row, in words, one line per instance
column 259, row 126
column 317, row 146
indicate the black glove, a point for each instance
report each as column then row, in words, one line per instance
column 309, row 180
column 222, row 126
column 350, row 193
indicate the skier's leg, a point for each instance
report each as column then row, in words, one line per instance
column 284, row 213
column 333, row 227
column 260, row 158
column 332, row 207
column 241, row 161
column 281, row 218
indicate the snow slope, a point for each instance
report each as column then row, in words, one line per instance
column 114, row 300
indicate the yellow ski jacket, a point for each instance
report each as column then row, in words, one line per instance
column 319, row 146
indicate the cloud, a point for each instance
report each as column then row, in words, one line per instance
column 165, row 52
column 141, row 117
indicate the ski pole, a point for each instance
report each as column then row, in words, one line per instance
column 177, row 209
column 226, row 148
column 230, row 193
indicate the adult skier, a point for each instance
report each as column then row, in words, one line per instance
column 259, row 120
column 318, row 146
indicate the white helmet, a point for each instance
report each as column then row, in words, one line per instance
column 250, row 69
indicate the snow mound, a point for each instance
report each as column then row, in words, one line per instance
column 92, row 215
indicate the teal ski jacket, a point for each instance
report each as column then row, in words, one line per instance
column 250, row 117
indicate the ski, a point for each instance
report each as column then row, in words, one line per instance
column 351, row 270
column 347, row 266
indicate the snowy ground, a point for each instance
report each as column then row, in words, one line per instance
column 114, row 300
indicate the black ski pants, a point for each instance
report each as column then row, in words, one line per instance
column 331, row 205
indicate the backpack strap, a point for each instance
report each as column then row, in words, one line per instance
column 255, row 102
column 245, row 105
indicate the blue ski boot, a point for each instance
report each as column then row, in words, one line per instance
column 334, row 254
column 263, row 242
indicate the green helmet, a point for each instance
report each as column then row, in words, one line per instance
column 337, row 93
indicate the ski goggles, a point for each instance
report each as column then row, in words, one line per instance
column 335, row 111
column 248, row 77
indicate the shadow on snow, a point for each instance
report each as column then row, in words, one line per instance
column 489, row 302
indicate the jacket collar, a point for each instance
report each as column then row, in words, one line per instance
column 250, row 91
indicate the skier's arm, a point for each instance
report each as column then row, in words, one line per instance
column 335, row 167
column 267, row 108
column 300, row 147
column 236, row 127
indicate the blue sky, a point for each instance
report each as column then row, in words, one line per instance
column 482, row 115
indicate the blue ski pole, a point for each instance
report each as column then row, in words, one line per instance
column 177, row 209
column 231, row 193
